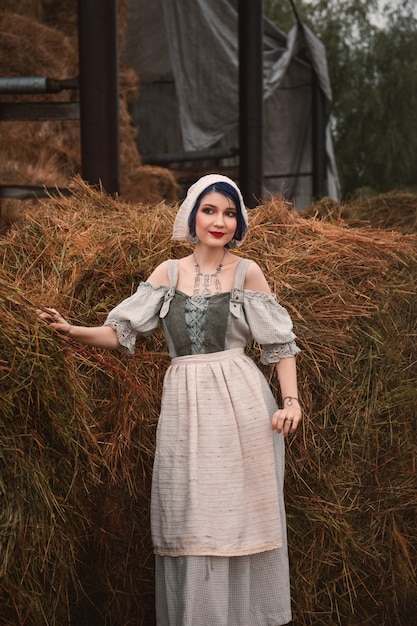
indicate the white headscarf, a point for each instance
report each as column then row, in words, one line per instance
column 181, row 230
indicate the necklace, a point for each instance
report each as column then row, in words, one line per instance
column 207, row 278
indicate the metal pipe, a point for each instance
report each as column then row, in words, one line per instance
column 38, row 111
column 197, row 155
column 319, row 157
column 25, row 192
column 28, row 84
column 35, row 84
column 99, row 93
column 251, row 106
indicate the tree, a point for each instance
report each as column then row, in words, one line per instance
column 373, row 72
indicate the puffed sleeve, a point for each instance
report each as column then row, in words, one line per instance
column 137, row 314
column 270, row 326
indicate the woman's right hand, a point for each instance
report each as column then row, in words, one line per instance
column 97, row 336
column 55, row 320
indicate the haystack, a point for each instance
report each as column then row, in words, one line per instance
column 394, row 210
column 78, row 429
column 39, row 38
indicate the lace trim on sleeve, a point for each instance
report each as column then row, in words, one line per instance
column 273, row 353
column 125, row 334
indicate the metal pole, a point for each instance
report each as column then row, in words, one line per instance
column 251, row 107
column 99, row 93
column 319, row 140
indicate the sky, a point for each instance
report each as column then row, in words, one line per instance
column 379, row 19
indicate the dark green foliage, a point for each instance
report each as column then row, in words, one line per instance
column 373, row 68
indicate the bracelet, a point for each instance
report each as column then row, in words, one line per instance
column 290, row 399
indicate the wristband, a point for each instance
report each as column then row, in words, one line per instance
column 290, row 399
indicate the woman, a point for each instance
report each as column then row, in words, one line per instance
column 217, row 511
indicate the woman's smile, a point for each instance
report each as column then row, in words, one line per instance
column 216, row 218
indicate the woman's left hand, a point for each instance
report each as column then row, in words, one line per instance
column 286, row 420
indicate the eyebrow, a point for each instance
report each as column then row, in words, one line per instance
column 215, row 206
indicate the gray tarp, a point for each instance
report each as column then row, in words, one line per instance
column 186, row 55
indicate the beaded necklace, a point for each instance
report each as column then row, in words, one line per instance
column 207, row 278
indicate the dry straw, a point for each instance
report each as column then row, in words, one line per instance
column 77, row 434
column 394, row 210
column 39, row 38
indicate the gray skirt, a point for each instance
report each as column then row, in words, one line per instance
column 251, row 590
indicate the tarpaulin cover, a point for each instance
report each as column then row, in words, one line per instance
column 186, row 56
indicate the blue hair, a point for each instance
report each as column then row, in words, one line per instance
column 229, row 192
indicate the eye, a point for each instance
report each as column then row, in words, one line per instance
column 231, row 214
column 207, row 210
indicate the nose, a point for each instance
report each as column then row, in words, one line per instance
column 219, row 221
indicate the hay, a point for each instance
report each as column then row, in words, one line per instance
column 40, row 39
column 394, row 210
column 49, row 461
column 118, row 405
column 45, row 153
column 33, row 8
column 350, row 496
column 82, row 421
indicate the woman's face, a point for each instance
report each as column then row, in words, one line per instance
column 216, row 220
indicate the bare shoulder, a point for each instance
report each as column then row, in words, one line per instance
column 160, row 275
column 255, row 279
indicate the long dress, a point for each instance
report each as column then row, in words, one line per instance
column 217, row 508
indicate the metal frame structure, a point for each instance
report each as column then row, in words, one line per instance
column 251, row 105
column 98, row 106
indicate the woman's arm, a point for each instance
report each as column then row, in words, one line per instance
column 287, row 418
column 97, row 336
